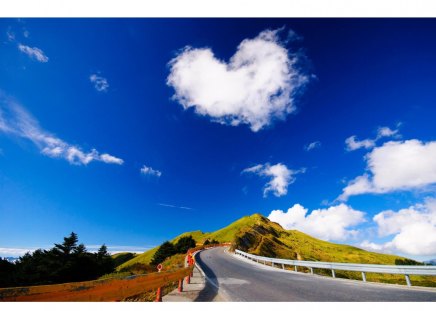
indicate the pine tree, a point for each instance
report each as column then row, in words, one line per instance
column 166, row 250
column 184, row 243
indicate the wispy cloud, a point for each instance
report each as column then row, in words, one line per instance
column 16, row 121
column 34, row 53
column 10, row 35
column 146, row 170
column 175, row 206
column 314, row 145
column 352, row 143
column 100, row 83
column 280, row 177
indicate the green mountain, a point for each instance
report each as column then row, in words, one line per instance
column 258, row 235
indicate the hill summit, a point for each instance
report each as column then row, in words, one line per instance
column 257, row 235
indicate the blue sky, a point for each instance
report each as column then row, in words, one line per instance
column 132, row 131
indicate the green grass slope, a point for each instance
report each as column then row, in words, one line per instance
column 258, row 235
column 266, row 238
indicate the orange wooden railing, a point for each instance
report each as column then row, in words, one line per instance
column 114, row 289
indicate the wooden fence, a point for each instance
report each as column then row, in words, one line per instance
column 113, row 289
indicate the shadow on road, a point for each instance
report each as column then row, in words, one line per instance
column 209, row 292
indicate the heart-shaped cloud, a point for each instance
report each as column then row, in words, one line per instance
column 255, row 87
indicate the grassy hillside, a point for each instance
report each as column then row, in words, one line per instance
column 146, row 257
column 262, row 237
column 121, row 258
column 256, row 234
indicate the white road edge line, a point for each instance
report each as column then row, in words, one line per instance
column 221, row 291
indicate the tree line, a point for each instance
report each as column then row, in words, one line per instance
column 168, row 249
column 65, row 262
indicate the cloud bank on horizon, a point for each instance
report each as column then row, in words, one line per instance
column 257, row 86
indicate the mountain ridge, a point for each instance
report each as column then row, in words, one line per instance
column 258, row 235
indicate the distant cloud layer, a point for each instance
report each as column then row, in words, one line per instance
column 396, row 165
column 34, row 53
column 100, row 83
column 332, row 223
column 20, row 251
column 150, row 171
column 16, row 121
column 257, row 86
column 279, row 174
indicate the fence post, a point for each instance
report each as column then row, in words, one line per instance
column 159, row 290
column 180, row 288
column 159, row 295
column 408, row 280
column 364, row 276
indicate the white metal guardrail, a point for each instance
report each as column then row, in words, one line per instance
column 363, row 268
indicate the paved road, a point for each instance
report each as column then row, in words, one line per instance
column 238, row 279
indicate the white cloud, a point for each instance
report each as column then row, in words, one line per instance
column 413, row 230
column 10, row 35
column 16, row 121
column 256, row 86
column 314, row 145
column 34, row 53
column 107, row 158
column 100, row 83
column 396, row 165
column 150, row 171
column 386, row 132
column 280, row 177
column 353, row 144
column 333, row 223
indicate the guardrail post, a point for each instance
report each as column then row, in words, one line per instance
column 364, row 276
column 272, row 264
column 296, row 270
column 159, row 295
column 283, row 266
column 408, row 280
column 180, row 288
column 333, row 273
column 311, row 270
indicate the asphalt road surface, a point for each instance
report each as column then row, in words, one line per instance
column 239, row 279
